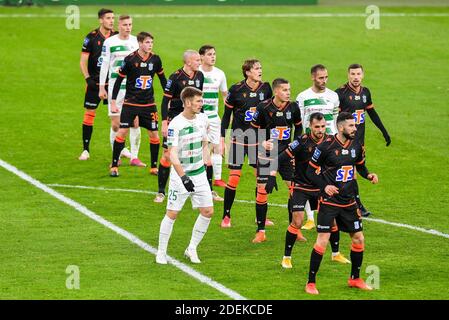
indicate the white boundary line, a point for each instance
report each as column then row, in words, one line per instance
column 90, row 214
column 233, row 15
column 395, row 224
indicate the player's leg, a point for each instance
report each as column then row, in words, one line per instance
column 149, row 122
column 216, row 155
column 163, row 172
column 115, row 117
column 261, row 209
column 310, row 223
column 91, row 101
column 177, row 196
column 154, row 141
column 335, row 245
column 325, row 218
column 127, row 117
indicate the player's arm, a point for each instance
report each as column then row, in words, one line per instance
column 223, row 87
column 300, row 103
column 297, row 121
column 206, row 151
column 336, row 109
column 84, row 60
column 229, row 107
column 188, row 184
column 104, row 69
column 376, row 120
column 363, row 170
column 161, row 74
column 168, row 96
column 314, row 173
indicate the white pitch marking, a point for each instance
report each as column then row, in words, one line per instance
column 183, row 267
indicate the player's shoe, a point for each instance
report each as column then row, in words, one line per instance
column 160, row 197
column 113, row 172
column 192, row 255
column 216, row 197
column 154, row 171
column 84, row 155
column 287, row 262
column 161, row 258
column 363, row 212
column 300, row 237
column 260, row 237
column 311, row 288
column 220, row 183
column 125, row 153
column 340, row 258
column 137, row 163
column 309, row 225
column 226, row 222
column 359, row 284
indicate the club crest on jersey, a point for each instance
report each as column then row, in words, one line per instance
column 144, row 82
column 353, row 153
column 288, row 115
column 345, row 174
column 316, row 154
column 359, row 116
column 280, row 133
column 364, row 99
column 150, row 66
column 197, row 83
column 249, row 114
column 261, row 96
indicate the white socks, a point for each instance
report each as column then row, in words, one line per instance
column 199, row 230
column 134, row 141
column 309, row 211
column 217, row 161
column 112, row 135
column 165, row 233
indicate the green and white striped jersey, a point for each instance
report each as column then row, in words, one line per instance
column 188, row 136
column 214, row 83
column 326, row 102
column 113, row 53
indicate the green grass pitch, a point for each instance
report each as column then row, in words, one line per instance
column 40, row 128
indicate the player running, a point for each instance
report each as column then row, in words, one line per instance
column 188, row 148
column 139, row 68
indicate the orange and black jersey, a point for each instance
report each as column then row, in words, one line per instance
column 139, row 73
column 171, row 103
column 278, row 122
column 241, row 103
column 301, row 150
column 333, row 163
column 357, row 103
column 92, row 45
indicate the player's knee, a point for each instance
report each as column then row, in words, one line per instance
column 323, row 240
column 89, row 117
column 262, row 196
column 155, row 140
column 207, row 212
column 358, row 238
column 234, row 179
column 165, row 162
column 115, row 127
column 297, row 218
column 171, row 214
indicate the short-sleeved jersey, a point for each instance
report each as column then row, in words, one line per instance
column 140, row 76
column 279, row 122
column 243, row 101
column 92, row 45
column 178, row 81
column 114, row 51
column 188, row 136
column 301, row 149
column 325, row 102
column 336, row 162
column 356, row 103
column 214, row 83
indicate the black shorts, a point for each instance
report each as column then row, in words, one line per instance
column 347, row 218
column 91, row 98
column 147, row 117
column 300, row 197
column 237, row 153
column 285, row 170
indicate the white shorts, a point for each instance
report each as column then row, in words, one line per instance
column 118, row 101
column 177, row 193
column 214, row 130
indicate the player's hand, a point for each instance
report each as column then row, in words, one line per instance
column 102, row 94
column 373, row 178
column 387, row 139
column 268, row 145
column 91, row 83
column 271, row 184
column 188, row 184
column 114, row 108
column 164, row 128
column 331, row 190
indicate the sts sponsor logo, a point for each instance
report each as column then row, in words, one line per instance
column 249, row 114
column 144, row 82
column 345, row 174
column 280, row 133
column 359, row 116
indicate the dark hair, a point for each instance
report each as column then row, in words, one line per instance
column 189, row 92
column 277, row 82
column 316, row 116
column 124, row 17
column 247, row 65
column 355, row 66
column 317, row 67
column 103, row 11
column 204, row 48
column 141, row 36
column 343, row 116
